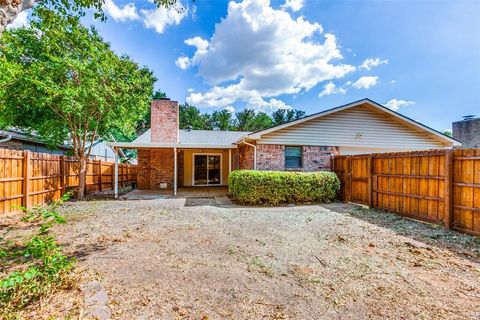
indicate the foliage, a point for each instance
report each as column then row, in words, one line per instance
column 282, row 116
column 249, row 120
column 192, row 118
column 278, row 187
column 221, row 120
column 68, row 85
column 46, row 267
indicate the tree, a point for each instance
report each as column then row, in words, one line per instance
column 221, row 120
column 249, row 120
column 192, row 118
column 68, row 85
column 282, row 116
column 9, row 9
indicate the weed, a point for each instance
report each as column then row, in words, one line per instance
column 44, row 267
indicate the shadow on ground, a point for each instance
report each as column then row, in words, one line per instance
column 436, row 235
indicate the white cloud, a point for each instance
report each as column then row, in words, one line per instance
column 190, row 89
column 259, row 52
column 20, row 21
column 393, row 81
column 183, row 62
column 396, row 104
column 127, row 12
column 258, row 104
column 229, row 109
column 370, row 63
column 294, row 5
column 161, row 17
column 331, row 88
column 365, row 82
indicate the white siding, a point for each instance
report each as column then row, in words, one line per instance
column 361, row 127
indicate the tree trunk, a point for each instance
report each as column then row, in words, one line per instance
column 82, row 176
column 9, row 10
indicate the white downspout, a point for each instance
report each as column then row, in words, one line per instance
column 116, row 173
column 254, row 153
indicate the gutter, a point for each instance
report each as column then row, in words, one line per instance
column 254, row 153
column 8, row 138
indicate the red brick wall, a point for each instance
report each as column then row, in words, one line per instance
column 245, row 156
column 316, row 158
column 143, row 169
column 164, row 121
column 270, row 157
column 155, row 166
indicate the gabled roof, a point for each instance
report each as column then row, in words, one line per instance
column 258, row 134
column 199, row 137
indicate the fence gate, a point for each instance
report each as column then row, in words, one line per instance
column 354, row 173
column 359, row 179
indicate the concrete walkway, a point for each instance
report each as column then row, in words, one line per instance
column 192, row 195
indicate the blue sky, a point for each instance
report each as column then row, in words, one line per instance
column 422, row 58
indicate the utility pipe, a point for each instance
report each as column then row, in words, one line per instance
column 254, row 153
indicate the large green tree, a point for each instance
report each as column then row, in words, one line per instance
column 65, row 83
column 9, row 9
column 221, row 120
column 192, row 118
column 249, row 120
column 282, row 116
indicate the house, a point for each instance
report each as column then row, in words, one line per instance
column 17, row 139
column 169, row 157
column 467, row 131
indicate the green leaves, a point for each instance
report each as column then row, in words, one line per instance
column 278, row 187
column 66, row 83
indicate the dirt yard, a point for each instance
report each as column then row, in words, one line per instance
column 167, row 259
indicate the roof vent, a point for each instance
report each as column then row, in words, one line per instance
column 468, row 117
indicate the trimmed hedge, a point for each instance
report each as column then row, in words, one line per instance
column 279, row 187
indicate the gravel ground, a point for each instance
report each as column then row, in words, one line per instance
column 161, row 259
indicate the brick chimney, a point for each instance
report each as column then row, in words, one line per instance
column 164, row 121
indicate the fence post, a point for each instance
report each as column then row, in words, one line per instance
column 113, row 176
column 370, row 177
column 62, row 175
column 348, row 179
column 448, row 215
column 26, row 179
column 100, row 187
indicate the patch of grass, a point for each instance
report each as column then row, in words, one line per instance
column 257, row 264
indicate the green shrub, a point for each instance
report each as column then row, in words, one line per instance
column 43, row 268
column 278, row 187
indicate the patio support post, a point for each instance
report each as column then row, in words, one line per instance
column 116, row 173
column 229, row 161
column 175, row 171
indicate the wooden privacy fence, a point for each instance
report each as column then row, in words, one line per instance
column 30, row 178
column 439, row 186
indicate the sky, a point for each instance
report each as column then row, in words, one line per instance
column 419, row 58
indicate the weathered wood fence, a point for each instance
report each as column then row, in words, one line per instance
column 30, row 178
column 439, row 186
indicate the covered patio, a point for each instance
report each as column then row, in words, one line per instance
column 178, row 169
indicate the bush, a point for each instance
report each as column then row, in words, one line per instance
column 278, row 187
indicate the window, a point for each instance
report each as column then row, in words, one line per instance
column 293, row 157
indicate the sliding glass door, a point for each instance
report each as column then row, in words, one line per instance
column 207, row 169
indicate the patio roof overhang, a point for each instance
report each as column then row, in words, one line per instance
column 133, row 145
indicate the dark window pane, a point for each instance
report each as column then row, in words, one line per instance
column 293, row 157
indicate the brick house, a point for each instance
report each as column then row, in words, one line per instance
column 169, row 157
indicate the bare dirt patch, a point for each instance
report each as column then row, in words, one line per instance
column 160, row 259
